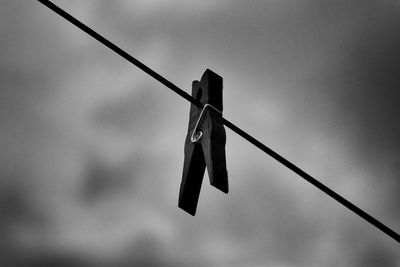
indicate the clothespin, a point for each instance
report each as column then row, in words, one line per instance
column 205, row 142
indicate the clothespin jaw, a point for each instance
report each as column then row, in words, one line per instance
column 209, row 150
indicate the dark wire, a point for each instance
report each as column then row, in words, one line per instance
column 227, row 123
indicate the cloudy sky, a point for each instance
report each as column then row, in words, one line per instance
column 92, row 148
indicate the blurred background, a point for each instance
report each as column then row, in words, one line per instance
column 92, row 148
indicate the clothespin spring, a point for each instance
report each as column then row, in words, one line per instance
column 196, row 135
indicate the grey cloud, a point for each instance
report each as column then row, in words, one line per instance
column 93, row 151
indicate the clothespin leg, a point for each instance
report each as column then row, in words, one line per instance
column 192, row 178
column 214, row 151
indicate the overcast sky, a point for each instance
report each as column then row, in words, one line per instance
column 92, row 148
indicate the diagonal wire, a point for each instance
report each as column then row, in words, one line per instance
column 385, row 229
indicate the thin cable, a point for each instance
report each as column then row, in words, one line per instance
column 120, row 52
column 227, row 123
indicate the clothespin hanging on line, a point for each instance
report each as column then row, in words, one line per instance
column 205, row 142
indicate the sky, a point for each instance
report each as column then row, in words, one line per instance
column 92, row 148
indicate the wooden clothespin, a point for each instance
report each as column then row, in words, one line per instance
column 205, row 142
